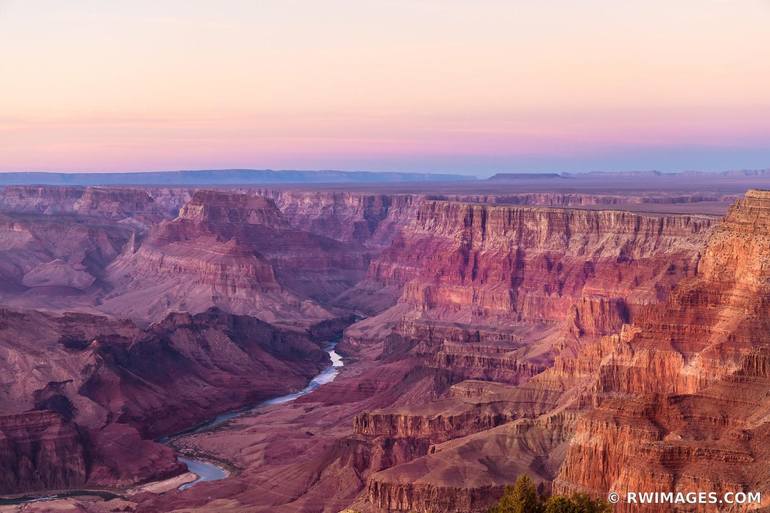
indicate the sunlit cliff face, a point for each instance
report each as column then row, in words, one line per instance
column 422, row 85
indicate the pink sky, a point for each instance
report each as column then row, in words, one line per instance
column 428, row 85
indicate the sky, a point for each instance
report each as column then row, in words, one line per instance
column 465, row 86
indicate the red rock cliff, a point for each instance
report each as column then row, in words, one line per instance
column 373, row 219
column 681, row 402
column 469, row 262
column 40, row 450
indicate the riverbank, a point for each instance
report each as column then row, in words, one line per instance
column 201, row 467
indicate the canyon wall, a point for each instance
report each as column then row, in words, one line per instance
column 481, row 264
column 52, row 260
column 531, row 299
column 373, row 219
column 708, row 201
column 40, row 450
column 237, row 252
column 679, row 405
column 136, row 205
column 505, row 262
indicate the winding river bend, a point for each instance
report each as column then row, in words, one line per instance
column 207, row 471
column 204, row 470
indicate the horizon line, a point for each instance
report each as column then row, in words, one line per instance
column 395, row 172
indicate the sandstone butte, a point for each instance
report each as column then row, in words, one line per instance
column 583, row 338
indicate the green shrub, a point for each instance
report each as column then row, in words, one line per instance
column 559, row 504
column 522, row 497
column 585, row 504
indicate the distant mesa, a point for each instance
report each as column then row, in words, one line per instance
column 223, row 177
column 502, row 177
column 651, row 174
column 747, row 172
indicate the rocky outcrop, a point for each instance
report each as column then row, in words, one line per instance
column 437, row 427
column 589, row 199
column 63, row 258
column 56, row 243
column 423, row 497
column 482, row 434
column 467, row 353
column 519, row 268
column 597, row 315
column 30, row 199
column 59, row 273
column 115, row 204
column 119, row 204
column 371, row 219
column 40, row 450
column 367, row 222
column 236, row 359
column 503, row 294
column 483, row 362
column 195, row 274
column 469, row 474
column 227, row 211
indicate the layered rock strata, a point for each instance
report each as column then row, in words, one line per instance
column 479, row 263
column 681, row 401
column 236, row 252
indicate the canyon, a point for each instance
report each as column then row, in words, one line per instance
column 594, row 338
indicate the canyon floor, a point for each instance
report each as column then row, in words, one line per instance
column 609, row 332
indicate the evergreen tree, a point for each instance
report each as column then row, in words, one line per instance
column 585, row 504
column 559, row 504
column 522, row 497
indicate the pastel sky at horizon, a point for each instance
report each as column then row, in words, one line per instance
column 464, row 86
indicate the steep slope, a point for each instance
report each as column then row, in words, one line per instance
column 479, row 263
column 135, row 206
column 55, row 261
column 80, row 390
column 682, row 399
column 40, row 450
column 236, row 252
column 372, row 219
column 56, row 243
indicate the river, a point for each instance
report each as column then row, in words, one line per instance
column 205, row 470
column 208, row 471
